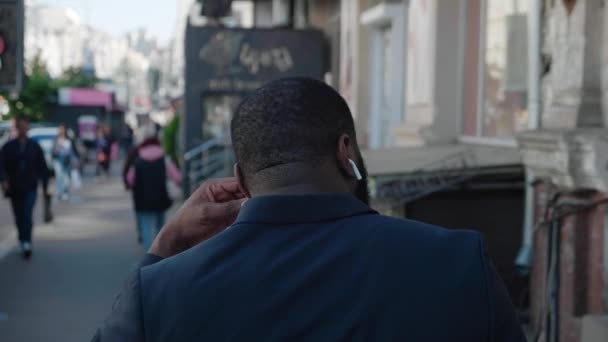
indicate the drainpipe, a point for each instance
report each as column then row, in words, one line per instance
column 534, row 65
column 524, row 258
column 292, row 14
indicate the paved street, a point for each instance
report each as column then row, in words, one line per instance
column 79, row 264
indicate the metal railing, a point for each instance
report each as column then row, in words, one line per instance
column 212, row 159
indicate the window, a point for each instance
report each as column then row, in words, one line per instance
column 505, row 84
column 386, row 25
column 496, row 101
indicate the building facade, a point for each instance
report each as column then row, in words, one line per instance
column 566, row 159
column 489, row 114
column 56, row 35
column 62, row 41
column 438, row 90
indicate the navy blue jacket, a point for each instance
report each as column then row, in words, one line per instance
column 321, row 267
column 23, row 166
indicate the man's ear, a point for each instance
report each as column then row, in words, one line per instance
column 345, row 152
column 238, row 173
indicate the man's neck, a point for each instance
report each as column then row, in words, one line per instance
column 22, row 139
column 296, row 179
column 299, row 189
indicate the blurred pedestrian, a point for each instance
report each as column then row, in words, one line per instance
column 132, row 155
column 103, row 149
column 65, row 158
column 147, row 172
column 127, row 140
column 22, row 167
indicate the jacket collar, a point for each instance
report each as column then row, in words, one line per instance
column 301, row 208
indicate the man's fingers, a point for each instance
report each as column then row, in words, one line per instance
column 229, row 181
column 228, row 190
column 220, row 211
column 214, row 218
column 204, row 192
column 221, row 190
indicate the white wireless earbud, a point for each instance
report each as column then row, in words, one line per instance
column 356, row 170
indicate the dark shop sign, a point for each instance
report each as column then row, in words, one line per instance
column 241, row 60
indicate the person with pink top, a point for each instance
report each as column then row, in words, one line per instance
column 146, row 176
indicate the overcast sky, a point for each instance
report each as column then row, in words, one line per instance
column 119, row 16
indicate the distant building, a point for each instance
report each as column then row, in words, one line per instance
column 62, row 41
column 56, row 35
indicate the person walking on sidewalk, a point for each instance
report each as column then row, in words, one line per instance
column 64, row 159
column 104, row 150
column 147, row 178
column 22, row 167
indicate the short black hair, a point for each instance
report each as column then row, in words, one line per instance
column 289, row 120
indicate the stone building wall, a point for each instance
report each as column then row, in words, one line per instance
column 569, row 155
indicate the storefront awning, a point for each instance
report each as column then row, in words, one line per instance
column 88, row 97
column 400, row 161
column 405, row 174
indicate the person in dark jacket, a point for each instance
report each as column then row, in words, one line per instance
column 147, row 176
column 103, row 148
column 303, row 257
column 22, row 168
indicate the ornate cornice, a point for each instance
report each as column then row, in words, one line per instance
column 572, row 159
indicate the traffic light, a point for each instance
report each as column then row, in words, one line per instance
column 11, row 44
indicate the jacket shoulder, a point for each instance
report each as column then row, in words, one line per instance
column 9, row 145
column 400, row 230
column 413, row 245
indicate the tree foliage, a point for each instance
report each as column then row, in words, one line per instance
column 39, row 88
column 171, row 134
column 33, row 98
column 76, row 78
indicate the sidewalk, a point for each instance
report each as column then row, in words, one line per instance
column 80, row 262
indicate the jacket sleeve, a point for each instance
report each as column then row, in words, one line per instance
column 125, row 321
column 128, row 164
column 174, row 173
column 41, row 164
column 54, row 153
column 3, row 176
column 505, row 326
column 130, row 178
column 75, row 151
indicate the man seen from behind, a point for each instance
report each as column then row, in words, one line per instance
column 290, row 250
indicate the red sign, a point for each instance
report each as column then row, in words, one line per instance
column 2, row 45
